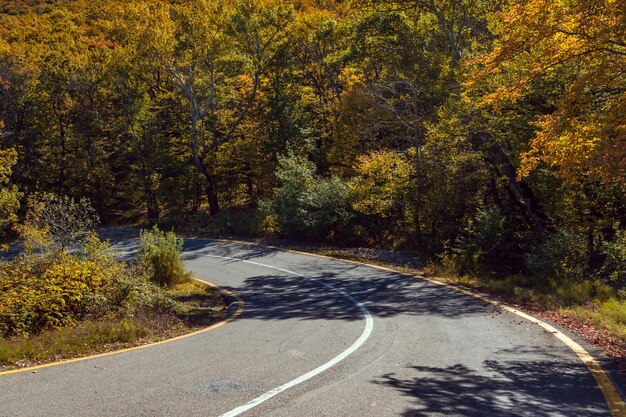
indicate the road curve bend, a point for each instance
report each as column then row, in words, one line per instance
column 321, row 337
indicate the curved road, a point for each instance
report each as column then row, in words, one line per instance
column 411, row 348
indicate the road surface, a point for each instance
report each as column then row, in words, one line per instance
column 320, row 337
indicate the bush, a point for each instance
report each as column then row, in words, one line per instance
column 562, row 256
column 241, row 221
column 55, row 290
column 161, row 255
column 306, row 204
column 134, row 295
column 384, row 190
column 614, row 267
column 58, row 223
column 58, row 282
column 484, row 245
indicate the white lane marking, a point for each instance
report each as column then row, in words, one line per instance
column 369, row 326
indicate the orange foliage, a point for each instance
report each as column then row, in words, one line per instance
column 585, row 41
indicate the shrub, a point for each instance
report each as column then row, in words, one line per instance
column 161, row 255
column 562, row 256
column 484, row 244
column 306, row 204
column 58, row 282
column 241, row 221
column 385, row 196
column 58, row 223
column 45, row 292
column 615, row 264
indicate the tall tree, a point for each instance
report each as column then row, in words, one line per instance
column 223, row 53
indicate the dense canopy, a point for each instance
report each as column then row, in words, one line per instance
column 489, row 133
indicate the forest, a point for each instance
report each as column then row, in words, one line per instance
column 487, row 136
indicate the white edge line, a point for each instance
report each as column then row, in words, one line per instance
column 369, row 326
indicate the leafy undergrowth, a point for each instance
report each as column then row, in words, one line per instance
column 196, row 306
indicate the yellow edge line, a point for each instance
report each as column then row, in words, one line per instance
column 616, row 404
column 233, row 316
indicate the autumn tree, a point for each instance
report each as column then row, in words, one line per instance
column 222, row 55
column 583, row 135
column 318, row 51
column 384, row 188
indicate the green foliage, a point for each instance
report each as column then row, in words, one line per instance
column 485, row 242
column 307, row 204
column 562, row 256
column 579, row 293
column 612, row 315
column 134, row 295
column 615, row 264
column 160, row 252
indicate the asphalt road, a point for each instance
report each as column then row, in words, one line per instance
column 412, row 348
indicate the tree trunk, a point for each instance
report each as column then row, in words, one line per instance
column 418, row 187
column 214, row 206
column 447, row 30
column 249, row 182
column 98, row 200
column 211, row 194
column 198, row 197
column 61, row 187
column 152, row 204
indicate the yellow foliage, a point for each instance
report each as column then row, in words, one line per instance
column 581, row 41
column 9, row 196
column 382, row 183
column 38, row 293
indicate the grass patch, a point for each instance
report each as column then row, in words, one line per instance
column 586, row 301
column 609, row 314
column 196, row 306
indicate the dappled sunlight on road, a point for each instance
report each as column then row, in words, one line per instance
column 501, row 388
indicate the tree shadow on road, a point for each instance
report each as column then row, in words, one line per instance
column 275, row 295
column 280, row 296
column 197, row 248
column 518, row 381
column 502, row 388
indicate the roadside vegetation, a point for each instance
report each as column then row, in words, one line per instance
column 67, row 294
column 486, row 137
